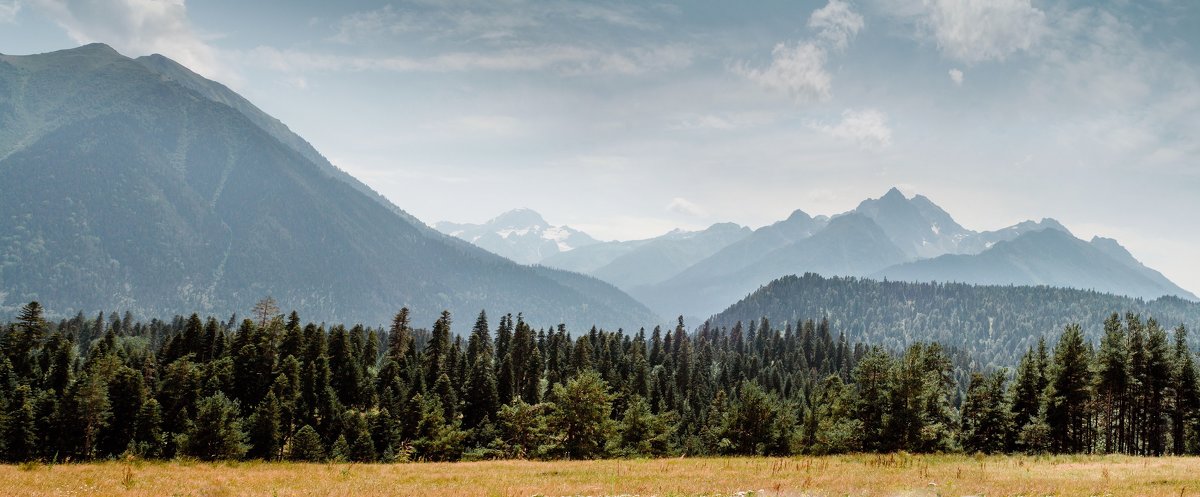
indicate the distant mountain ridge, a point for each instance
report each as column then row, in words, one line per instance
column 137, row 185
column 894, row 237
column 521, row 235
column 1046, row 257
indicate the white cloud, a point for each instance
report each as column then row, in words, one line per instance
column 680, row 205
column 797, row 70
column 567, row 60
column 138, row 27
column 836, row 24
column 8, row 14
column 980, row 30
column 494, row 22
column 868, row 128
column 974, row 31
column 956, row 75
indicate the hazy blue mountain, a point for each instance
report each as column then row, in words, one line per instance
column 521, row 235
column 172, row 71
column 130, row 185
column 979, row 242
column 993, row 323
column 1049, row 257
column 909, row 239
column 750, row 249
column 850, row 244
column 660, row 258
column 589, row 258
column 917, row 226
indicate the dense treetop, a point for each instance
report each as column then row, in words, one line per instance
column 273, row 387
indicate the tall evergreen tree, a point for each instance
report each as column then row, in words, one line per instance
column 265, row 434
column 481, row 397
column 1070, row 390
column 1186, row 388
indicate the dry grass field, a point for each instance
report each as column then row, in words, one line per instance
column 865, row 475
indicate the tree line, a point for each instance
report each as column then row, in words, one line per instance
column 272, row 388
column 995, row 324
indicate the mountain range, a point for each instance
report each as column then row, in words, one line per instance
column 892, row 237
column 135, row 184
column 521, row 235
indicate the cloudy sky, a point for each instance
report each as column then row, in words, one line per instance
column 629, row 119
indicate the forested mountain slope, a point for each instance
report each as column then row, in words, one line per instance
column 995, row 324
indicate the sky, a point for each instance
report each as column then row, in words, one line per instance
column 628, row 119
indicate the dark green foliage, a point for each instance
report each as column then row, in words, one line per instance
column 361, row 448
column 986, row 425
column 264, row 434
column 147, row 434
column 579, row 418
column 642, row 433
column 1069, row 393
column 22, row 337
column 437, row 438
column 756, row 424
column 146, row 389
column 306, row 446
column 20, row 442
column 216, row 433
column 522, row 428
column 126, row 395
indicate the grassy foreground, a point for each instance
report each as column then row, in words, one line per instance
column 888, row 475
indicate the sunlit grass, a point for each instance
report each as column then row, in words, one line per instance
column 866, row 475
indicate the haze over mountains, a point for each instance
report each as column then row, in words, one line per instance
column 890, row 237
column 135, row 184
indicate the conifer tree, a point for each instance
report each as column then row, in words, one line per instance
column 216, row 433
column 522, row 428
column 871, row 380
column 579, row 416
column 1112, row 383
column 126, row 394
column 1186, row 387
column 985, row 416
column 834, row 426
column 306, row 445
column 480, row 396
column 437, row 351
column 642, row 433
column 361, row 447
column 84, row 414
column 1070, row 389
column 147, row 433
column 340, row 452
column 400, row 339
column 23, row 337
column 1160, row 366
column 265, row 434
column 18, row 435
